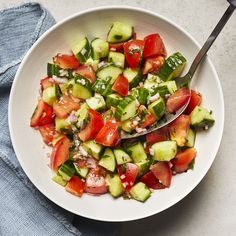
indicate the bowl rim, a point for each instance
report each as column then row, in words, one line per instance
column 96, row 9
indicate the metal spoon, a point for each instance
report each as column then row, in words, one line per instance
column 187, row 78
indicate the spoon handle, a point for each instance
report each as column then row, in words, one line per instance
column 211, row 38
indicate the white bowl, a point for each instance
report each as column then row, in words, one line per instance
column 28, row 144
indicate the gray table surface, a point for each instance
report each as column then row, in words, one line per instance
column 211, row 208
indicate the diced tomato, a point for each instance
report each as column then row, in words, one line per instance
column 75, row 186
column 45, row 83
column 94, row 125
column 195, row 100
column 95, row 182
column 128, row 173
column 60, row 153
column 183, row 159
column 162, row 172
column 153, row 64
column 87, row 72
column 109, row 134
column 149, row 120
column 157, row 136
column 66, row 61
column 151, row 181
column 116, row 47
column 179, row 129
column 133, row 51
column 43, row 114
column 48, row 132
column 177, row 100
column 121, row 85
column 154, row 46
column 65, row 106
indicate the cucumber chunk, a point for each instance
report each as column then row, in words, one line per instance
column 115, row 185
column 100, row 48
column 81, row 114
column 113, row 100
column 164, row 151
column 143, row 167
column 109, row 72
column 134, row 76
column 190, row 140
column 201, row 118
column 151, row 83
column 96, row 102
column 61, row 124
column 66, row 172
column 51, row 94
column 108, row 160
column 140, row 192
column 81, row 50
column 53, row 69
column 119, row 32
column 93, row 149
column 94, row 63
column 127, row 126
column 59, row 180
column 137, row 152
column 121, row 156
column 168, row 87
column 141, row 94
column 102, row 86
column 172, row 67
column 126, row 108
column 81, row 171
column 157, row 108
column 117, row 58
column 81, row 88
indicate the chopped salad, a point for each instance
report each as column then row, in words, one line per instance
column 109, row 86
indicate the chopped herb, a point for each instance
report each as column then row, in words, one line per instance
column 124, row 168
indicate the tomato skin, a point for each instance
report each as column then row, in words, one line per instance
column 65, row 106
column 66, row 61
column 183, row 159
column 154, row 46
column 75, row 186
column 87, row 72
column 109, row 134
column 128, row 174
column 116, row 47
column 177, row 100
column 95, row 182
column 149, row 120
column 133, row 50
column 121, row 85
column 179, row 129
column 151, row 181
column 60, row 153
column 48, row 132
column 43, row 115
column 162, row 172
column 195, row 100
column 153, row 64
column 157, row 136
column 95, row 124
column 45, row 83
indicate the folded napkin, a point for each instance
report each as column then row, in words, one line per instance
column 24, row 210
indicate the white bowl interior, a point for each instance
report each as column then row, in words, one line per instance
column 28, row 143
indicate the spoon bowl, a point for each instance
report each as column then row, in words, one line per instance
column 185, row 80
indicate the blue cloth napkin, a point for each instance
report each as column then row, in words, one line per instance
column 23, row 210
